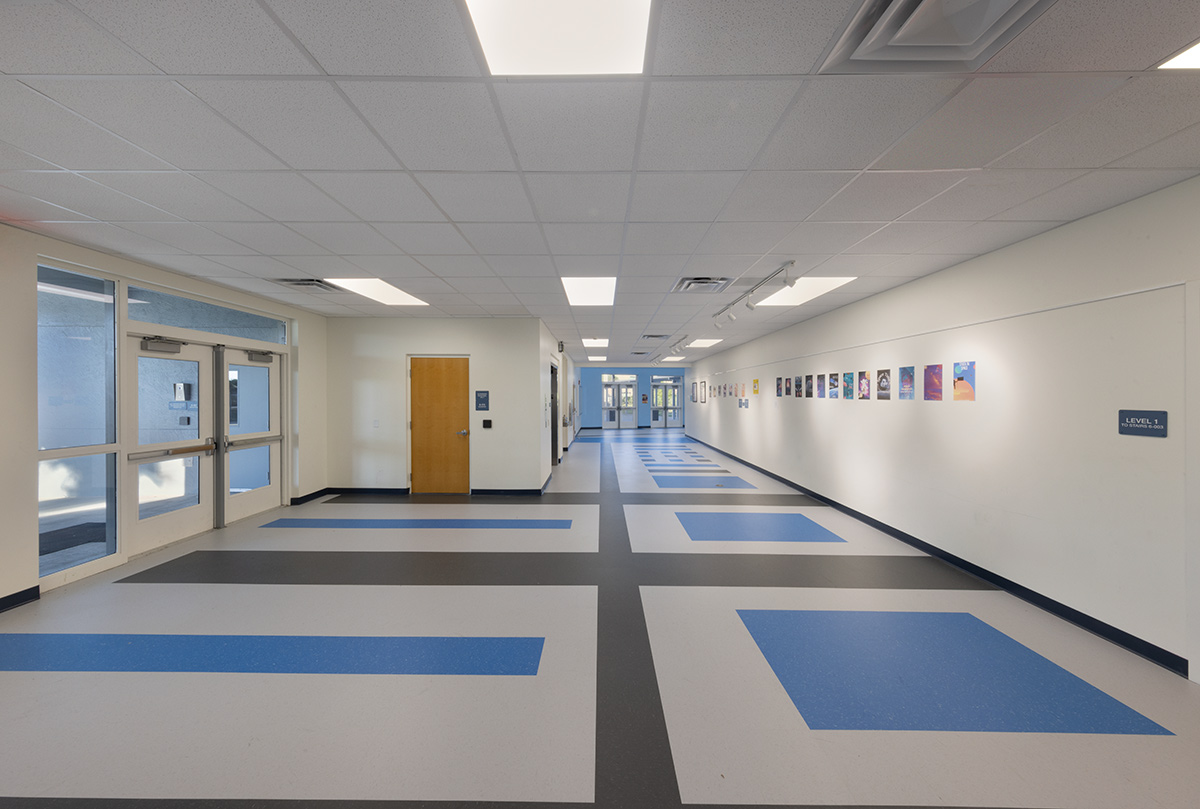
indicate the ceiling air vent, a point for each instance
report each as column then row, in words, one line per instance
column 917, row 36
column 308, row 284
column 702, row 284
column 655, row 336
column 639, row 353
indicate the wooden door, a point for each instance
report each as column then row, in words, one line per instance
column 441, row 444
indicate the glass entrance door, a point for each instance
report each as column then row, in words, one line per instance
column 169, row 477
column 618, row 410
column 627, row 402
column 609, row 414
column 666, row 404
column 250, row 471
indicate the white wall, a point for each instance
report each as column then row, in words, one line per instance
column 1031, row 481
column 368, row 385
column 20, row 253
column 548, row 355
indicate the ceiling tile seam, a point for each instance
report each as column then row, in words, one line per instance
column 633, row 179
column 904, row 135
column 295, row 40
column 1109, row 166
column 94, row 24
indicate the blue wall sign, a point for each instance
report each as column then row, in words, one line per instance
column 1143, row 422
column 481, row 399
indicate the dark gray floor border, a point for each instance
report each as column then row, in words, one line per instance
column 23, row 597
column 1143, row 648
column 283, row 803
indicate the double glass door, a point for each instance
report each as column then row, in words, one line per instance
column 666, row 408
column 209, row 439
column 619, row 408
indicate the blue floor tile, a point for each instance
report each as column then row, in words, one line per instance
column 734, row 526
column 702, row 482
column 523, row 525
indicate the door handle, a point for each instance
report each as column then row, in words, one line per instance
column 463, row 432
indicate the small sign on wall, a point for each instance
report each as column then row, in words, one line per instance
column 1151, row 423
column 481, row 399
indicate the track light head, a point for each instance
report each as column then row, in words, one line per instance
column 732, row 317
column 749, row 304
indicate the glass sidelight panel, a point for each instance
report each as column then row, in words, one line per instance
column 249, row 399
column 165, row 486
column 77, row 511
column 249, row 469
column 149, row 306
column 168, row 400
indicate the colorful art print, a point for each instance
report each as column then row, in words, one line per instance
column 833, row 386
column 744, row 393
column 848, row 385
column 883, row 384
column 755, row 387
column 779, row 386
column 820, row 386
column 799, row 387
column 694, row 391
column 808, row 390
column 908, row 382
column 703, row 391
column 933, row 383
column 787, row 386
column 864, row 384
column 964, row 381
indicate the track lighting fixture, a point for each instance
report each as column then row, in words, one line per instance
column 732, row 317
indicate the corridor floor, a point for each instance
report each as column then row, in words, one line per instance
column 664, row 626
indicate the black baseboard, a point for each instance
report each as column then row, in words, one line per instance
column 296, row 501
column 308, row 498
column 1153, row 653
column 23, row 597
column 507, row 492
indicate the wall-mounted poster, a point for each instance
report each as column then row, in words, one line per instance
column 933, row 383
column 787, row 386
column 779, row 386
column 848, row 385
column 864, row 384
column 833, row 386
column 693, row 391
column 703, row 391
column 964, row 381
column 807, row 385
column 883, row 384
column 799, row 387
column 820, row 386
column 908, row 382
column 744, row 393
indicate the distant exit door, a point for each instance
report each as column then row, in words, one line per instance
column 441, row 447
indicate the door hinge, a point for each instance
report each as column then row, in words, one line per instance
column 410, row 477
column 410, row 425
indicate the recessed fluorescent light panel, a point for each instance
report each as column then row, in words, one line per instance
column 804, row 290
column 562, row 37
column 595, row 342
column 597, row 359
column 705, row 343
column 377, row 290
column 590, row 291
column 672, row 359
column 1188, row 59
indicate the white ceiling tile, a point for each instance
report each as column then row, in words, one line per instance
column 681, row 196
column 846, row 122
column 425, row 239
column 331, row 309
column 468, row 310
column 584, row 239
column 455, row 265
column 260, row 266
column 1142, row 112
column 435, row 126
column 35, row 124
column 984, row 237
column 283, row 196
column 191, row 265
column 908, row 237
column 479, row 197
column 271, row 238
column 430, row 285
column 20, row 207
column 698, row 126
column 163, row 118
column 992, row 116
column 746, row 238
column 493, row 300
column 569, row 266
column 811, row 238
column 258, row 286
column 188, row 237
column 45, row 36
column 717, row 37
column 1095, row 191
column 1080, row 35
column 1178, row 151
column 663, row 238
column 572, row 126
column 82, row 195
column 390, row 266
column 13, row 159
column 884, row 196
column 920, row 264
column 382, row 37
column 444, row 298
column 983, row 194
column 782, row 196
column 518, row 239
column 180, row 194
column 380, row 196
column 106, row 238
column 671, row 265
column 852, row 265
column 644, row 284
column 579, row 197
column 200, row 36
column 307, row 124
column 729, row 265
column 522, row 265
column 534, row 284
column 321, row 266
column 470, row 285
column 346, row 238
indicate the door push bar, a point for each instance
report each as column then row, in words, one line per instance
column 207, row 448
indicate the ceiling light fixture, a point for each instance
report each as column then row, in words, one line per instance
column 595, row 342
column 732, row 317
column 590, row 291
column 673, row 359
column 707, row 342
column 377, row 290
column 562, row 37
column 597, row 359
column 1188, row 59
column 717, row 326
column 749, row 303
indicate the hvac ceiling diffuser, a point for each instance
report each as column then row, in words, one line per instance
column 916, row 36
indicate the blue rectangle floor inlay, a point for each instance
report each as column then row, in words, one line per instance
column 271, row 654
column 689, row 466
column 702, row 482
column 733, row 526
column 523, row 525
column 847, row 670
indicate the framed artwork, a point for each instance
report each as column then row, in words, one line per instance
column 848, row 385
column 964, row 381
column 779, row 386
column 833, row 386
column 787, row 386
column 820, row 386
column 864, row 384
column 756, row 387
column 883, row 384
column 908, row 382
column 703, row 388
column 808, row 389
column 800, row 387
column 694, row 394
column 933, row 383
